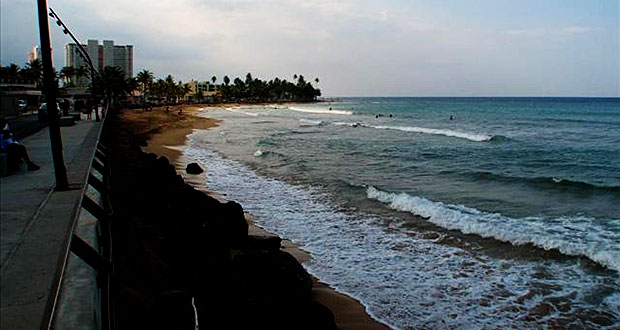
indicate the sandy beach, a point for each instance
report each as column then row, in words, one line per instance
column 166, row 133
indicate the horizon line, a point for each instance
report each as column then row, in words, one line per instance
column 473, row 96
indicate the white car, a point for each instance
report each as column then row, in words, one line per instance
column 22, row 105
column 43, row 112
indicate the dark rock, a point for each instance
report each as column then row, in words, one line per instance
column 174, row 310
column 431, row 235
column 272, row 275
column 263, row 242
column 171, row 238
column 228, row 224
column 193, row 168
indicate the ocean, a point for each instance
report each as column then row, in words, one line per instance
column 452, row 213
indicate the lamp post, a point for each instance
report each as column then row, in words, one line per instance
column 49, row 86
column 83, row 53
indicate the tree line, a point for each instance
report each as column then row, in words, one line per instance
column 112, row 86
column 248, row 90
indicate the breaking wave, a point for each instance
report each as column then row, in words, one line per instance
column 252, row 114
column 434, row 131
column 321, row 111
column 570, row 235
column 309, row 122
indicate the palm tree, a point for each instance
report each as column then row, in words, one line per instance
column 214, row 79
column 81, row 72
column 12, row 71
column 111, row 85
column 184, row 90
column 34, row 71
column 170, row 88
column 145, row 80
column 226, row 80
column 67, row 73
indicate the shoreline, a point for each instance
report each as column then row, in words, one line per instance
column 168, row 139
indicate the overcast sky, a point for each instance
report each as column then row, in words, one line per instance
column 388, row 47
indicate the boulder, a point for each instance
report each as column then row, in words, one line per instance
column 263, row 242
column 193, row 168
column 227, row 223
column 272, row 276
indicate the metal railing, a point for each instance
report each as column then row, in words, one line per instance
column 99, row 258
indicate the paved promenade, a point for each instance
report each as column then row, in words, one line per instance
column 35, row 225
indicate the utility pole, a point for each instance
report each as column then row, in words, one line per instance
column 49, row 85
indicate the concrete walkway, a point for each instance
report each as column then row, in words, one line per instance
column 36, row 223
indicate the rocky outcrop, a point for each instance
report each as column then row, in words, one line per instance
column 176, row 248
column 193, row 168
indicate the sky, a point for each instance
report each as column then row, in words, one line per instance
column 354, row 47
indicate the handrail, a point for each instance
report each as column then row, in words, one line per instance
column 100, row 262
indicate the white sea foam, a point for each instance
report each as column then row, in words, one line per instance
column 575, row 236
column 351, row 124
column 435, row 131
column 237, row 110
column 405, row 280
column 321, row 111
column 309, row 122
column 258, row 153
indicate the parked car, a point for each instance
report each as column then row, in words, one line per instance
column 42, row 115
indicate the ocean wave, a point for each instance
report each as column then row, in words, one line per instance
column 403, row 280
column 445, row 132
column 309, row 122
column 555, row 183
column 574, row 236
column 434, row 131
column 499, row 138
column 252, row 114
column 321, row 111
column 351, row 124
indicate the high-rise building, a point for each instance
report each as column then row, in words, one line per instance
column 34, row 54
column 104, row 55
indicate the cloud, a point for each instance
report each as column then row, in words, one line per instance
column 539, row 32
column 354, row 47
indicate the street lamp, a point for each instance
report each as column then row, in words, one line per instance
column 83, row 54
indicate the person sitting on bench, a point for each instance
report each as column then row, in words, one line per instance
column 15, row 151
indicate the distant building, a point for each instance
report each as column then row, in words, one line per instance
column 199, row 87
column 201, row 90
column 34, row 54
column 104, row 55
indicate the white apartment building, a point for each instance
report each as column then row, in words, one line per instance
column 34, row 54
column 104, row 55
